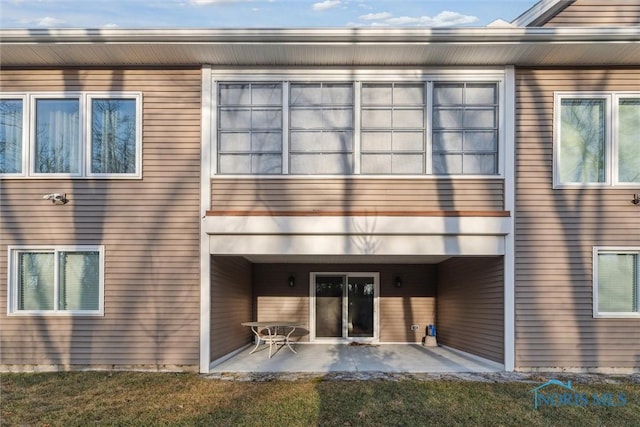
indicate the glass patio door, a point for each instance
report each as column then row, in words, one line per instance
column 344, row 306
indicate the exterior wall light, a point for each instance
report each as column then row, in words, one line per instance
column 398, row 282
column 292, row 281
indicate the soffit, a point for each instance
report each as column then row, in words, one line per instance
column 321, row 47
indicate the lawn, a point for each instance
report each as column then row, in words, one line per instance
column 156, row 399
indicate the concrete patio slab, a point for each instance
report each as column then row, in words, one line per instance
column 322, row 358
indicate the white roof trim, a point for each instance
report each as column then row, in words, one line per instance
column 541, row 9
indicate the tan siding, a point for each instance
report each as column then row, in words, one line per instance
column 598, row 13
column 150, row 228
column 556, row 231
column 231, row 304
column 412, row 304
column 356, row 194
column 471, row 306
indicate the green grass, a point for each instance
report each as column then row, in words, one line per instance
column 154, row 399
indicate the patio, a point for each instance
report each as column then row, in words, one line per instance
column 322, row 358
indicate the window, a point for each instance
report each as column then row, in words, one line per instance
column 616, row 282
column 250, row 128
column 364, row 127
column 393, row 128
column 596, row 140
column 56, row 281
column 11, row 135
column 465, row 128
column 321, row 128
column 70, row 135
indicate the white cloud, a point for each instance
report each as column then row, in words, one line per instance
column 326, row 4
column 49, row 21
column 208, row 2
column 375, row 16
column 110, row 26
column 443, row 19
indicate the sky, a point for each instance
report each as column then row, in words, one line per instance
column 255, row 13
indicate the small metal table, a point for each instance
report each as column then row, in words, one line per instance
column 270, row 333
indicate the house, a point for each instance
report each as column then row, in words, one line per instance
column 359, row 181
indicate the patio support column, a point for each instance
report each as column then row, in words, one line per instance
column 509, row 205
column 205, row 204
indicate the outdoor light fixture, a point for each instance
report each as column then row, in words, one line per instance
column 398, row 282
column 56, row 198
column 292, row 281
column 636, row 199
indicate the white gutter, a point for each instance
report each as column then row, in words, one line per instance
column 337, row 36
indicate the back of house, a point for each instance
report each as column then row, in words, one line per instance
column 160, row 188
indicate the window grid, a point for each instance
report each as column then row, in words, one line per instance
column 391, row 139
column 339, row 145
column 458, row 119
column 255, row 140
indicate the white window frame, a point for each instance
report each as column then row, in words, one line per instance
column 611, row 99
column 13, row 280
column 614, row 250
column 358, row 77
column 29, row 100
column 25, row 134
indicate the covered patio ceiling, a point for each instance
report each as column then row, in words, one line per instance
column 492, row 46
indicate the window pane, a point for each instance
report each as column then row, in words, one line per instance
column 408, row 118
column 340, row 93
column 306, row 118
column 482, row 164
column 629, row 140
column 582, row 139
column 379, row 118
column 407, row 163
column 235, row 119
column 266, row 119
column 447, row 164
column 447, row 118
column 113, row 136
column 476, row 118
column 35, row 281
column 480, row 94
column 481, row 141
column 10, row 136
column 376, row 141
column 235, row 163
column 235, row 94
column 79, row 287
column 321, row 141
column 447, row 141
column 321, row 164
column 376, row 94
column 408, row 141
column 266, row 141
column 376, row 163
column 235, row 142
column 617, row 283
column 409, row 94
column 305, row 94
column 266, row 163
column 266, row 94
column 447, row 93
column 57, row 136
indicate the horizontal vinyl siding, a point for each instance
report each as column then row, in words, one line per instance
column 412, row 304
column 231, row 304
column 149, row 226
column 610, row 13
column 471, row 306
column 300, row 194
column 556, row 231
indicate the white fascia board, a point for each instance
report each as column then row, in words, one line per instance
column 356, row 225
column 379, row 245
column 536, row 11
